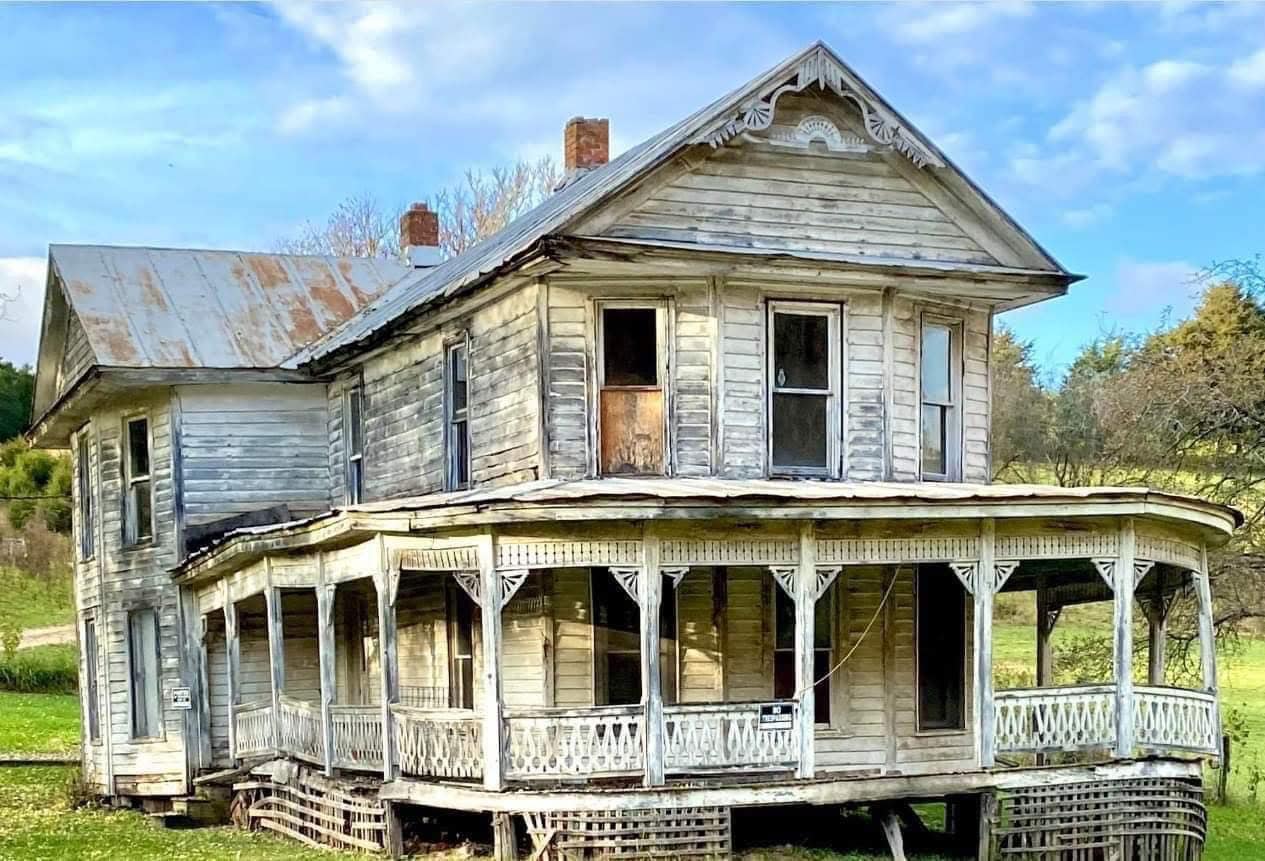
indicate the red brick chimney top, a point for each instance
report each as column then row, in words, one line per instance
column 586, row 143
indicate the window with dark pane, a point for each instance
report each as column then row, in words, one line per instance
column 355, row 445
column 138, row 509
column 90, row 658
column 87, row 528
column 617, row 642
column 145, row 685
column 802, row 387
column 939, row 399
column 457, row 433
column 630, row 348
column 784, row 649
column 632, row 400
column 461, row 613
column 941, row 647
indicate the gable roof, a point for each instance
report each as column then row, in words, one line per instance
column 751, row 106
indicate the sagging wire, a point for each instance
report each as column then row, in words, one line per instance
column 870, row 625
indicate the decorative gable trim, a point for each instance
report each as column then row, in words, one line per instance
column 820, row 68
column 813, row 128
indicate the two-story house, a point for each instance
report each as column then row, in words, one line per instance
column 669, row 500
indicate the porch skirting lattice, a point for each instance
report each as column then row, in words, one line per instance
column 664, row 832
column 311, row 808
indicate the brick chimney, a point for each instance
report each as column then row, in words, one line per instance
column 586, row 143
column 419, row 236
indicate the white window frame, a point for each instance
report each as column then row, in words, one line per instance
column 954, row 440
column 155, row 680
column 131, row 527
column 663, row 332
column 965, row 668
column 834, row 395
column 92, row 680
column 451, row 418
column 354, row 461
column 83, row 488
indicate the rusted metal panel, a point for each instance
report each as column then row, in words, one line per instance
column 632, row 431
column 177, row 308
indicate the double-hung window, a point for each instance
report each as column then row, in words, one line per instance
column 456, row 416
column 145, row 684
column 632, row 409
column 354, row 411
column 138, row 490
column 804, row 375
column 90, row 693
column 941, row 398
column 83, row 486
column 461, row 613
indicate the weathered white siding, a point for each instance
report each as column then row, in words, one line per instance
column 77, row 355
column 699, row 628
column 573, row 637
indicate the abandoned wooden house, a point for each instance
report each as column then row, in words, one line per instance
column 669, row 500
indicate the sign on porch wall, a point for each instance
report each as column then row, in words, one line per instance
column 181, row 698
column 776, row 716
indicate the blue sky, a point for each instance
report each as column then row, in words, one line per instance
column 1129, row 139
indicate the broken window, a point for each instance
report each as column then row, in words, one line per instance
column 353, row 409
column 83, row 484
column 941, row 647
column 138, row 500
column 90, row 658
column 940, row 385
column 461, row 613
column 784, row 649
column 804, row 389
column 457, row 425
column 145, row 683
column 631, row 369
column 617, row 642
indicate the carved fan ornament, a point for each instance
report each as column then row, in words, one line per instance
column 810, row 129
column 823, row 70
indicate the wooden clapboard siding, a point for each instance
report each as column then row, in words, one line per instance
column 422, row 632
column 403, row 420
column 573, row 637
column 698, row 639
column 523, row 652
column 249, row 447
column 863, row 387
column 748, row 666
column 744, row 445
column 504, row 396
column 252, row 622
column 217, row 689
column 904, row 388
column 77, row 355
column 337, row 453
column 567, row 385
column 754, row 194
column 302, row 656
column 693, row 379
column 977, row 397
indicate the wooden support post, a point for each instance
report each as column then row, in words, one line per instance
column 1122, row 581
column 393, row 836
column 1046, row 617
column 233, row 654
column 387, row 584
column 504, row 845
column 276, row 658
column 649, row 597
column 197, row 726
column 987, row 820
column 1157, row 633
column 805, row 614
column 1207, row 637
column 493, row 726
column 985, row 577
column 325, row 641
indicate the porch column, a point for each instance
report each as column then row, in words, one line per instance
column 233, row 654
column 276, row 659
column 1207, row 636
column 1122, row 585
column 1156, row 609
column 490, row 606
column 985, row 577
column 649, row 596
column 1047, row 616
column 325, row 640
column 387, row 584
column 805, row 613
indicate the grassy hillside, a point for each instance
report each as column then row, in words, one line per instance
column 33, row 601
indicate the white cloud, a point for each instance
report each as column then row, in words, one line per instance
column 924, row 23
column 1249, row 71
column 1142, row 287
column 1086, row 216
column 22, row 281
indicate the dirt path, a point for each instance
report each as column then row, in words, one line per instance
column 49, row 636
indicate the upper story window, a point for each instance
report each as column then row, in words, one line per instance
column 138, row 489
column 804, row 382
column 941, row 384
column 353, row 410
column 456, row 416
column 83, row 487
column 632, row 366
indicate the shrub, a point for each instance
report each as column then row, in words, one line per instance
column 42, row 670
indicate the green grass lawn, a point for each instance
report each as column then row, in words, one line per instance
column 27, row 601
column 39, row 723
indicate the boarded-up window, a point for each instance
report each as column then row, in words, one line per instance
column 138, row 499
column 461, row 613
column 354, row 410
column 83, row 486
column 456, row 423
column 632, row 401
column 145, row 686
column 804, row 389
column 784, row 650
column 90, row 659
column 617, row 642
column 940, row 384
column 941, row 647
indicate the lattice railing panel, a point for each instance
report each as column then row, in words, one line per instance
column 1173, row 718
column 726, row 735
column 1041, row 720
column 357, row 737
column 549, row 743
column 300, row 727
column 439, row 743
column 253, row 725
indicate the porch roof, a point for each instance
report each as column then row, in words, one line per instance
column 685, row 498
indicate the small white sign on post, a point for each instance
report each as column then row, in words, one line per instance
column 776, row 716
column 181, row 698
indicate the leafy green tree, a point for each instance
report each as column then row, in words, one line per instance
column 35, row 483
column 1021, row 409
column 17, row 388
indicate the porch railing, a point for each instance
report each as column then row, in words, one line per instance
column 596, row 742
column 1175, row 719
column 1044, row 720
column 435, row 743
column 357, row 737
column 252, row 724
column 718, row 736
column 300, row 729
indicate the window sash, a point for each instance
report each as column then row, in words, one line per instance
column 948, row 428
column 91, row 690
column 354, row 411
column 830, row 394
column 87, row 529
column 145, row 683
column 456, row 416
column 138, row 491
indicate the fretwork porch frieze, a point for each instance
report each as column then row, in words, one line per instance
column 437, row 559
column 566, row 553
column 891, row 551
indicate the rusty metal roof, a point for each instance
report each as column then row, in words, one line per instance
column 181, row 308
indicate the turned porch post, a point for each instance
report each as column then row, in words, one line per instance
column 387, row 585
column 276, row 658
column 490, row 605
column 985, row 577
column 1122, row 584
column 805, row 614
column 233, row 655
column 649, row 596
column 325, row 642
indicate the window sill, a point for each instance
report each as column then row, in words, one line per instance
column 147, row 544
column 933, row 733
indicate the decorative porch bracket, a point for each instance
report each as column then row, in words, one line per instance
column 785, row 577
column 629, row 579
column 472, row 584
